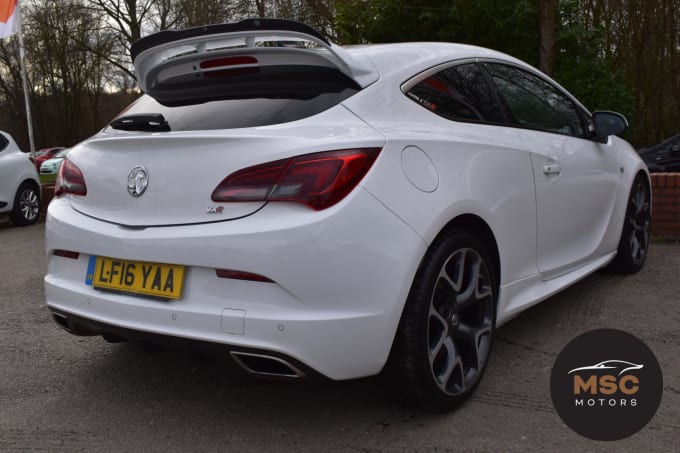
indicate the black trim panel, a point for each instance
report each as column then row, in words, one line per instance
column 79, row 326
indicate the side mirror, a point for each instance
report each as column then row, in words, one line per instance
column 608, row 123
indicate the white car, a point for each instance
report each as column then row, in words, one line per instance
column 50, row 167
column 19, row 184
column 313, row 209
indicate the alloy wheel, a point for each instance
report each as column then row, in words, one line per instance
column 639, row 217
column 29, row 204
column 460, row 322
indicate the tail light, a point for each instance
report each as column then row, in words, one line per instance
column 228, row 61
column 317, row 180
column 69, row 180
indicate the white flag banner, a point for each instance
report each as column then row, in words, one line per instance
column 9, row 18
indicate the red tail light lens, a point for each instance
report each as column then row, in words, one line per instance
column 250, row 184
column 69, row 180
column 317, row 180
column 228, row 61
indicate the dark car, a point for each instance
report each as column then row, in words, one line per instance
column 664, row 157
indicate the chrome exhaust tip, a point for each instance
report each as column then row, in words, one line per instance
column 266, row 366
column 62, row 321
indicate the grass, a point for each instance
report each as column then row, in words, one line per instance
column 48, row 179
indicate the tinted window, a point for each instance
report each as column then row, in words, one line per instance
column 535, row 103
column 3, row 142
column 459, row 93
column 236, row 113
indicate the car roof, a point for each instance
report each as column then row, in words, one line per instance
column 408, row 59
column 400, row 62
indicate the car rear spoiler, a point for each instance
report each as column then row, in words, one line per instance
column 169, row 36
column 181, row 56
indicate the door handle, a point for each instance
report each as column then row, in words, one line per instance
column 552, row 169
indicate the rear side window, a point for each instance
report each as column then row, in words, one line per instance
column 274, row 96
column 459, row 93
column 3, row 142
column 535, row 103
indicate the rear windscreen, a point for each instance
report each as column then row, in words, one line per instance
column 245, row 100
column 236, row 113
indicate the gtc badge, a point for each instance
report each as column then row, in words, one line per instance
column 138, row 179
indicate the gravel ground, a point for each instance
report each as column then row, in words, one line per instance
column 63, row 393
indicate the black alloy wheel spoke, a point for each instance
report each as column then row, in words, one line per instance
column 639, row 221
column 460, row 321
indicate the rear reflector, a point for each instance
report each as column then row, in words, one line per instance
column 240, row 275
column 317, row 180
column 66, row 254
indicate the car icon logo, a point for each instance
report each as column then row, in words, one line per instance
column 138, row 180
column 615, row 365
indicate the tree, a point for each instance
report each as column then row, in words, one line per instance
column 499, row 24
column 546, row 21
column 125, row 22
column 64, row 71
column 66, row 79
column 12, row 113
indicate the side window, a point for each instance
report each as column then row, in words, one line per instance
column 3, row 142
column 535, row 103
column 459, row 93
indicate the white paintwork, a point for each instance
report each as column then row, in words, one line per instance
column 15, row 168
column 179, row 191
column 179, row 58
column 586, row 188
column 342, row 274
column 419, row 169
column 338, row 294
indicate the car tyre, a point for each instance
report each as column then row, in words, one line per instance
column 635, row 235
column 443, row 342
column 26, row 205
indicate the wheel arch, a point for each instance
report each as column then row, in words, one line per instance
column 29, row 182
column 401, row 365
column 15, row 214
column 619, row 215
column 479, row 228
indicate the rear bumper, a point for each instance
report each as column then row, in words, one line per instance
column 341, row 278
column 257, row 362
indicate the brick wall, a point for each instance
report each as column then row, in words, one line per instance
column 666, row 205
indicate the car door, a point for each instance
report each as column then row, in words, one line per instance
column 576, row 178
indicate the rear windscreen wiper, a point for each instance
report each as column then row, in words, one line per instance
column 151, row 122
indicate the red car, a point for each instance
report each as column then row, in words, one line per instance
column 45, row 154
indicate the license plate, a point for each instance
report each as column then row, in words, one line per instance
column 138, row 277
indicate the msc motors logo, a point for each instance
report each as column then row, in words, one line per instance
column 606, row 384
column 599, row 386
